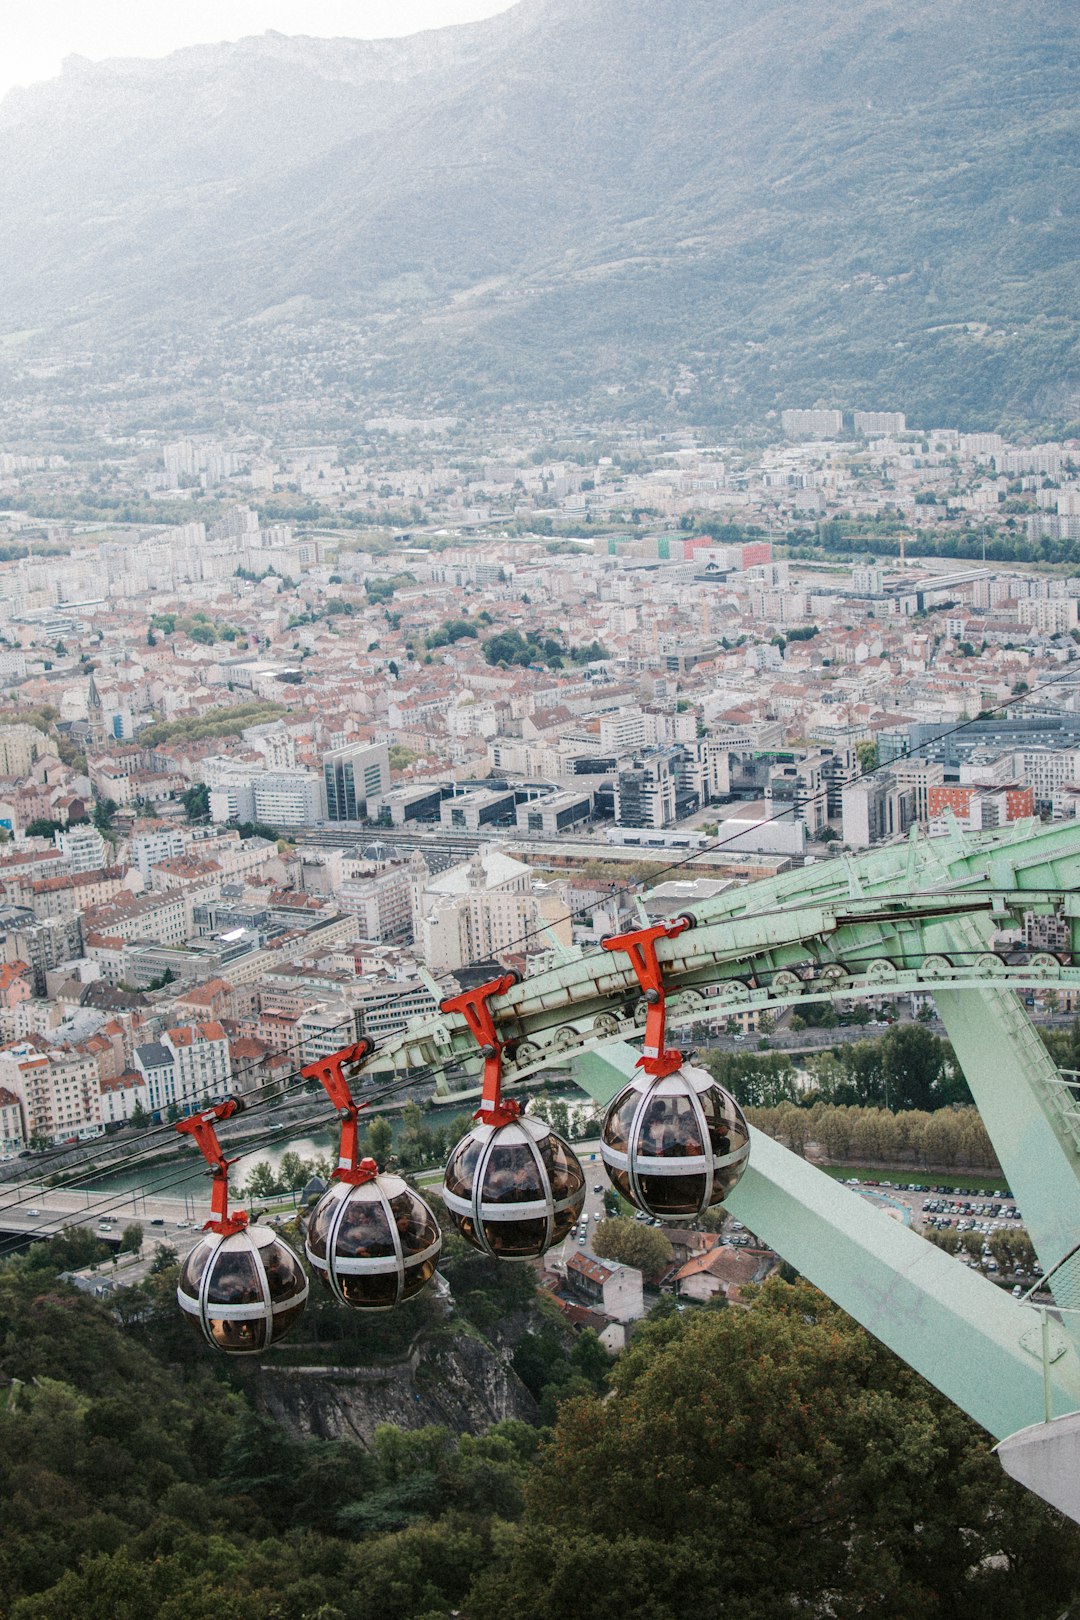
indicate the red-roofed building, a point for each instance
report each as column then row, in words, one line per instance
column 16, row 984
column 121, row 1095
column 722, row 1271
column 606, row 1286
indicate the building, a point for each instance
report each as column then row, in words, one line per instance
column 1053, row 616
column 978, row 806
column 288, row 799
column 352, row 776
column 381, row 903
column 83, row 848
column 480, row 807
column 20, row 746
column 606, row 1286
column 42, row 942
column 876, row 808
column 58, row 1089
column 875, row 424
column 473, row 912
column 186, row 1066
column 646, row 793
column 149, row 849
column 801, row 788
column 12, row 1140
column 814, row 424
column 553, row 813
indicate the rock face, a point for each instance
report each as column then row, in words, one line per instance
column 457, row 1381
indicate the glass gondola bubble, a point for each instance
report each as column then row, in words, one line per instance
column 513, row 1188
column 373, row 1242
column 242, row 1291
column 674, row 1145
column 242, row 1288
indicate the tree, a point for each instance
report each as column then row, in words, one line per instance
column 131, row 1238
column 913, row 1065
column 103, row 813
column 780, row 1457
column 196, row 802
column 42, row 827
column 633, row 1243
column 261, row 1181
column 380, row 1138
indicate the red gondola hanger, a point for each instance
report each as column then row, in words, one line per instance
column 657, row 1057
column 475, row 1007
column 371, row 1238
column 201, row 1128
column 329, row 1072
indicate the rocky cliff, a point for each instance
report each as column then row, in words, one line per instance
column 455, row 1379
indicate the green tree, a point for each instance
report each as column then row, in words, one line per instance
column 196, row 802
column 103, row 813
column 633, row 1243
column 380, row 1138
column 779, row 1457
column 131, row 1238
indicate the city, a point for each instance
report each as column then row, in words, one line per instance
column 539, row 785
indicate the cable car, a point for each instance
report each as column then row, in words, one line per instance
column 242, row 1291
column 513, row 1189
column 373, row 1242
column 674, row 1145
column 371, row 1239
column 242, row 1287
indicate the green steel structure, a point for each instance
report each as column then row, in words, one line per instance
column 925, row 914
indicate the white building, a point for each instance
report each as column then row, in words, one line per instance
column 84, row 848
column 187, row 1065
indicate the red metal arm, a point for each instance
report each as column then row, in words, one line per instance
column 329, row 1072
column 640, row 946
column 473, row 1005
column 201, row 1127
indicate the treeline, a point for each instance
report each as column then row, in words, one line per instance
column 196, row 626
column 949, row 1137
column 724, row 1453
column 1012, row 1250
column 511, row 647
column 848, row 537
column 214, row 723
column 907, row 1067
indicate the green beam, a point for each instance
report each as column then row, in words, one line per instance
column 973, row 1342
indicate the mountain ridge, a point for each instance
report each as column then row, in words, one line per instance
column 699, row 207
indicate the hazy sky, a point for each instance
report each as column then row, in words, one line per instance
column 36, row 35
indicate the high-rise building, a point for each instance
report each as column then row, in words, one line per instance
column 823, row 424
column 872, row 423
column 351, row 776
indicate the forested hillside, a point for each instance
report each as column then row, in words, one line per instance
column 750, row 1464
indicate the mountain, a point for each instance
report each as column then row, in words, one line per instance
column 705, row 207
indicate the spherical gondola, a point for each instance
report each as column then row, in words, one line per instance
column 674, row 1145
column 513, row 1189
column 373, row 1242
column 242, row 1291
